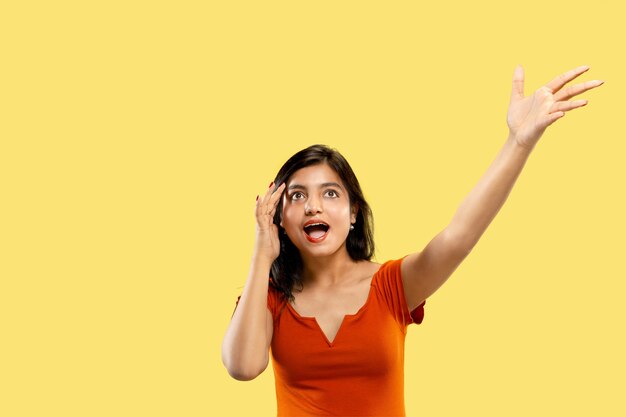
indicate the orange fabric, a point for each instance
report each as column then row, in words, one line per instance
column 361, row 373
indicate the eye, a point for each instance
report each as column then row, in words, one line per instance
column 332, row 193
column 293, row 196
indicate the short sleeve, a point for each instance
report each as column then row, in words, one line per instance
column 390, row 286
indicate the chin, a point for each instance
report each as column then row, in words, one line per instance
column 320, row 250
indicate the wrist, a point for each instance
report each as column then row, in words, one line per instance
column 519, row 144
column 262, row 261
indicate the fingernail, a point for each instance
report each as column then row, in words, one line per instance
column 257, row 198
column 270, row 184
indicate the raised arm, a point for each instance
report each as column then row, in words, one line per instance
column 245, row 348
column 528, row 117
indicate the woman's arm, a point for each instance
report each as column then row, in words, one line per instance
column 487, row 197
column 245, row 348
column 528, row 117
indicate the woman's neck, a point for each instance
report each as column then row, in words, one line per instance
column 327, row 271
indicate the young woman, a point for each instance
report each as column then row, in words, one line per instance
column 336, row 321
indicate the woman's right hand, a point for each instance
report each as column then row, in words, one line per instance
column 267, row 245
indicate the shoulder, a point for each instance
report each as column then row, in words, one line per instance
column 390, row 264
column 370, row 268
column 367, row 270
column 389, row 271
column 390, row 287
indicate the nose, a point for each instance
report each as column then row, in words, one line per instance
column 313, row 206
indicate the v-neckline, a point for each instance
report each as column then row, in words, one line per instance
column 345, row 317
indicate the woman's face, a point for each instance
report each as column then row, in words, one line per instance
column 316, row 194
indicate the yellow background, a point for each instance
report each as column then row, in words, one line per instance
column 135, row 137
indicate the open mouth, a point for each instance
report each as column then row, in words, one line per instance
column 316, row 232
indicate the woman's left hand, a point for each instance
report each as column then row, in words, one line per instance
column 528, row 117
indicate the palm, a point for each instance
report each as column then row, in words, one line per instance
column 528, row 117
column 525, row 115
column 267, row 242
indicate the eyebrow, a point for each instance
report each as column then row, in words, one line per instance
column 302, row 187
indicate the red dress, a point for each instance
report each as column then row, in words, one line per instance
column 359, row 373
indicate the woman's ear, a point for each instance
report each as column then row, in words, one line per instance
column 355, row 211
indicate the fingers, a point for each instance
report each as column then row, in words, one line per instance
column 276, row 195
column 564, row 106
column 574, row 90
column 559, row 108
column 266, row 205
column 557, row 83
column 268, row 193
column 551, row 118
column 517, row 92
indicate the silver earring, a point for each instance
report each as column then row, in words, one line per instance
column 351, row 227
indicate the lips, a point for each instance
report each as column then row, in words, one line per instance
column 315, row 230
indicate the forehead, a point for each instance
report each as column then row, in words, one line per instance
column 314, row 175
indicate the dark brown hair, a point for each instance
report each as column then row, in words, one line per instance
column 286, row 271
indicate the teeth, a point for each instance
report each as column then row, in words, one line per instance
column 316, row 224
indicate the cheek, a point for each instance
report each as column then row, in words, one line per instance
column 290, row 219
column 340, row 213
